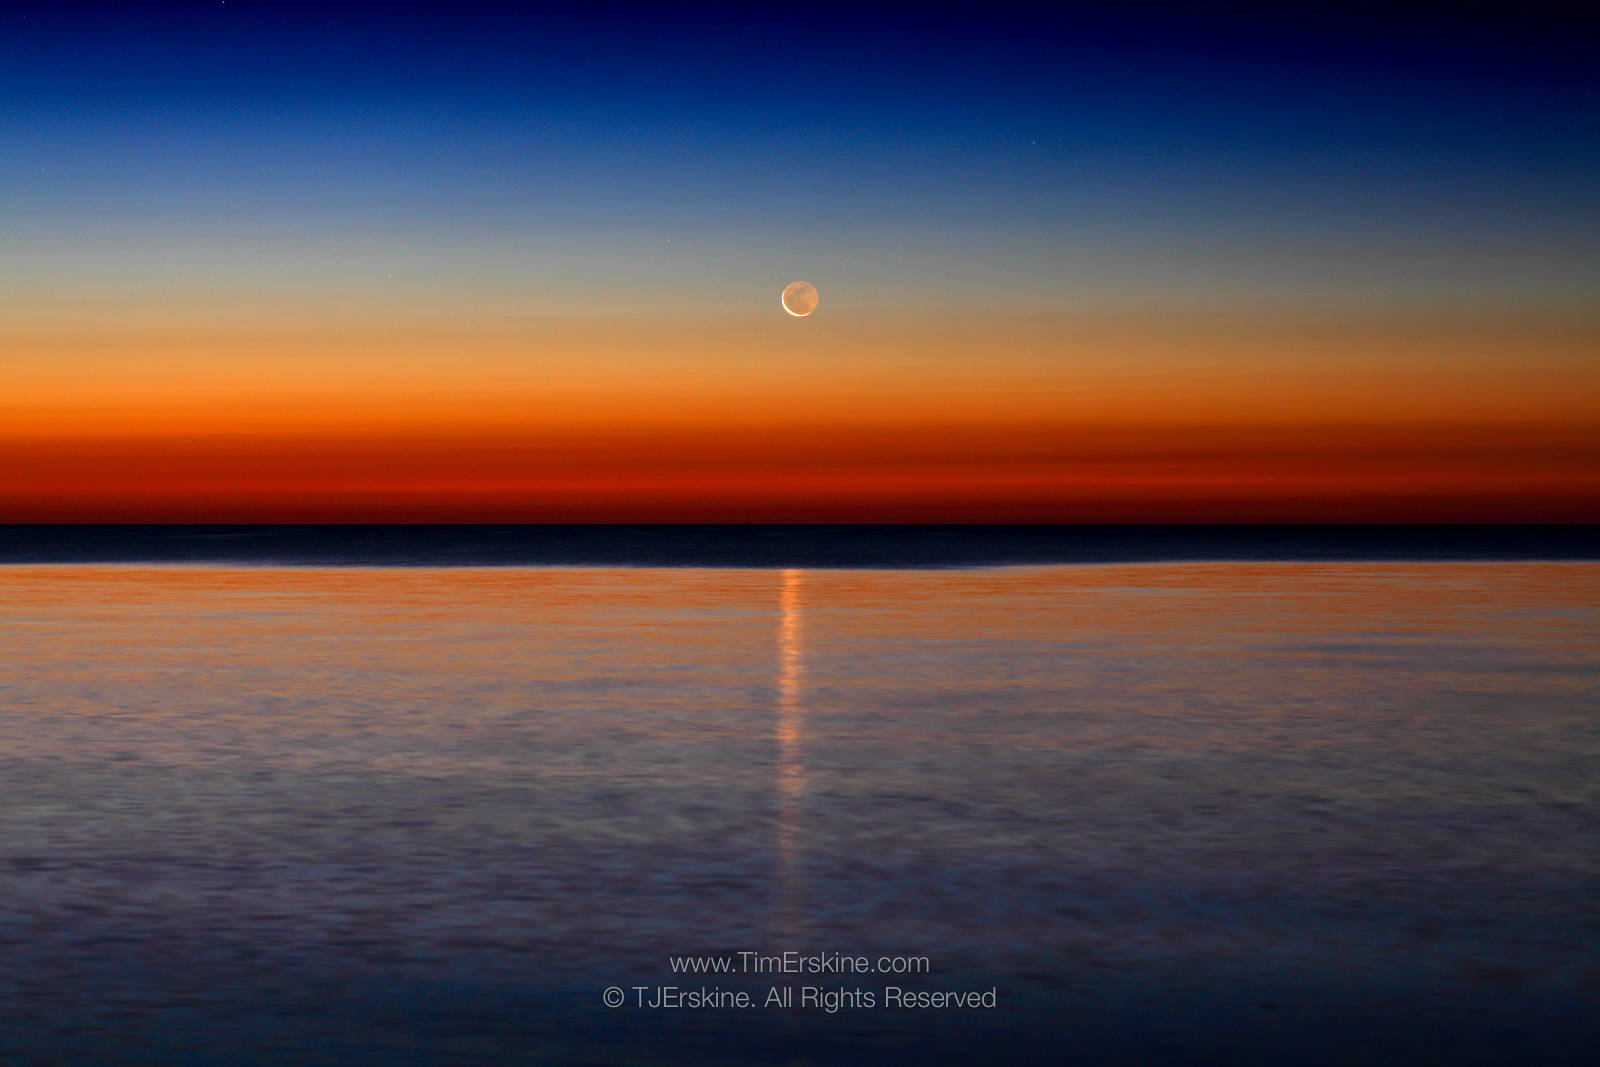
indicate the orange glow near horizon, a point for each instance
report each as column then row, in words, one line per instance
column 1027, row 417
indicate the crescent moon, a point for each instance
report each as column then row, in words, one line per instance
column 799, row 299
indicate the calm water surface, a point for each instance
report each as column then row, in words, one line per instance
column 1208, row 813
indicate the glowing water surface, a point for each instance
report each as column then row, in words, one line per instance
column 427, row 815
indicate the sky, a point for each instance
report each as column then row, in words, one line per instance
column 270, row 262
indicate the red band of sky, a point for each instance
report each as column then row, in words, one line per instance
column 931, row 418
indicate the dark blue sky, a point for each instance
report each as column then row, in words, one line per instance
column 1029, row 157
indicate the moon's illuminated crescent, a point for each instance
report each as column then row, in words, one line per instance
column 799, row 299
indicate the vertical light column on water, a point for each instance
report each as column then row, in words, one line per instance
column 790, row 736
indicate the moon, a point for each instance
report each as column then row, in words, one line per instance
column 799, row 299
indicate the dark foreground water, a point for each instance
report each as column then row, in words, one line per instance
column 1202, row 812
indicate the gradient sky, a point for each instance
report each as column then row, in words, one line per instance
column 266, row 262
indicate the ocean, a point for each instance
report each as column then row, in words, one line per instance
column 1201, row 810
